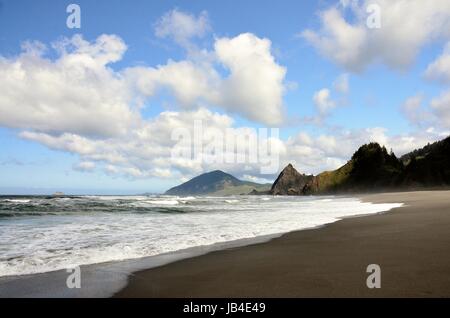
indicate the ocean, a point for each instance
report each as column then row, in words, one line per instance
column 42, row 234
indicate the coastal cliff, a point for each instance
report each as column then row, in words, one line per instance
column 373, row 168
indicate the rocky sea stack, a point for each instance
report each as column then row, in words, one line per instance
column 290, row 182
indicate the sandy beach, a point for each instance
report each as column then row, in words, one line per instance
column 411, row 244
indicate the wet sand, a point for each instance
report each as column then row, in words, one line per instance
column 411, row 244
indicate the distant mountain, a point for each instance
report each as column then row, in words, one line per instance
column 290, row 182
column 217, row 183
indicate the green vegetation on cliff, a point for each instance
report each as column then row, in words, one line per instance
column 371, row 167
column 329, row 181
column 429, row 166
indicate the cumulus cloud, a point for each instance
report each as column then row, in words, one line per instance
column 182, row 26
column 323, row 101
column 255, row 84
column 69, row 94
column 341, row 84
column 406, row 26
column 253, row 87
column 441, row 108
column 338, row 40
column 435, row 114
column 251, row 178
column 148, row 150
column 187, row 81
column 439, row 70
column 84, row 166
column 68, row 142
column 412, row 108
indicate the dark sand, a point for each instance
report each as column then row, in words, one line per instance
column 411, row 244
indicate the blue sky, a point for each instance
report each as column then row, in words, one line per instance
column 393, row 86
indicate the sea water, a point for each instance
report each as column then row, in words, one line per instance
column 43, row 234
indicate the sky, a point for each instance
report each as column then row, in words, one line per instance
column 97, row 109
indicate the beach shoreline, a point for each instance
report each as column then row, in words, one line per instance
column 105, row 279
column 410, row 244
column 246, row 268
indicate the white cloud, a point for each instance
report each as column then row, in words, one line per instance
column 251, row 178
column 187, row 81
column 68, row 142
column 406, row 26
column 323, row 101
column 253, row 88
column 84, row 166
column 412, row 109
column 146, row 151
column 439, row 70
column 437, row 114
column 341, row 84
column 76, row 93
column 182, row 26
column 255, row 84
column 441, row 108
column 338, row 40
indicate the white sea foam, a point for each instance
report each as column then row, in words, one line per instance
column 164, row 202
column 187, row 198
column 17, row 200
column 33, row 244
